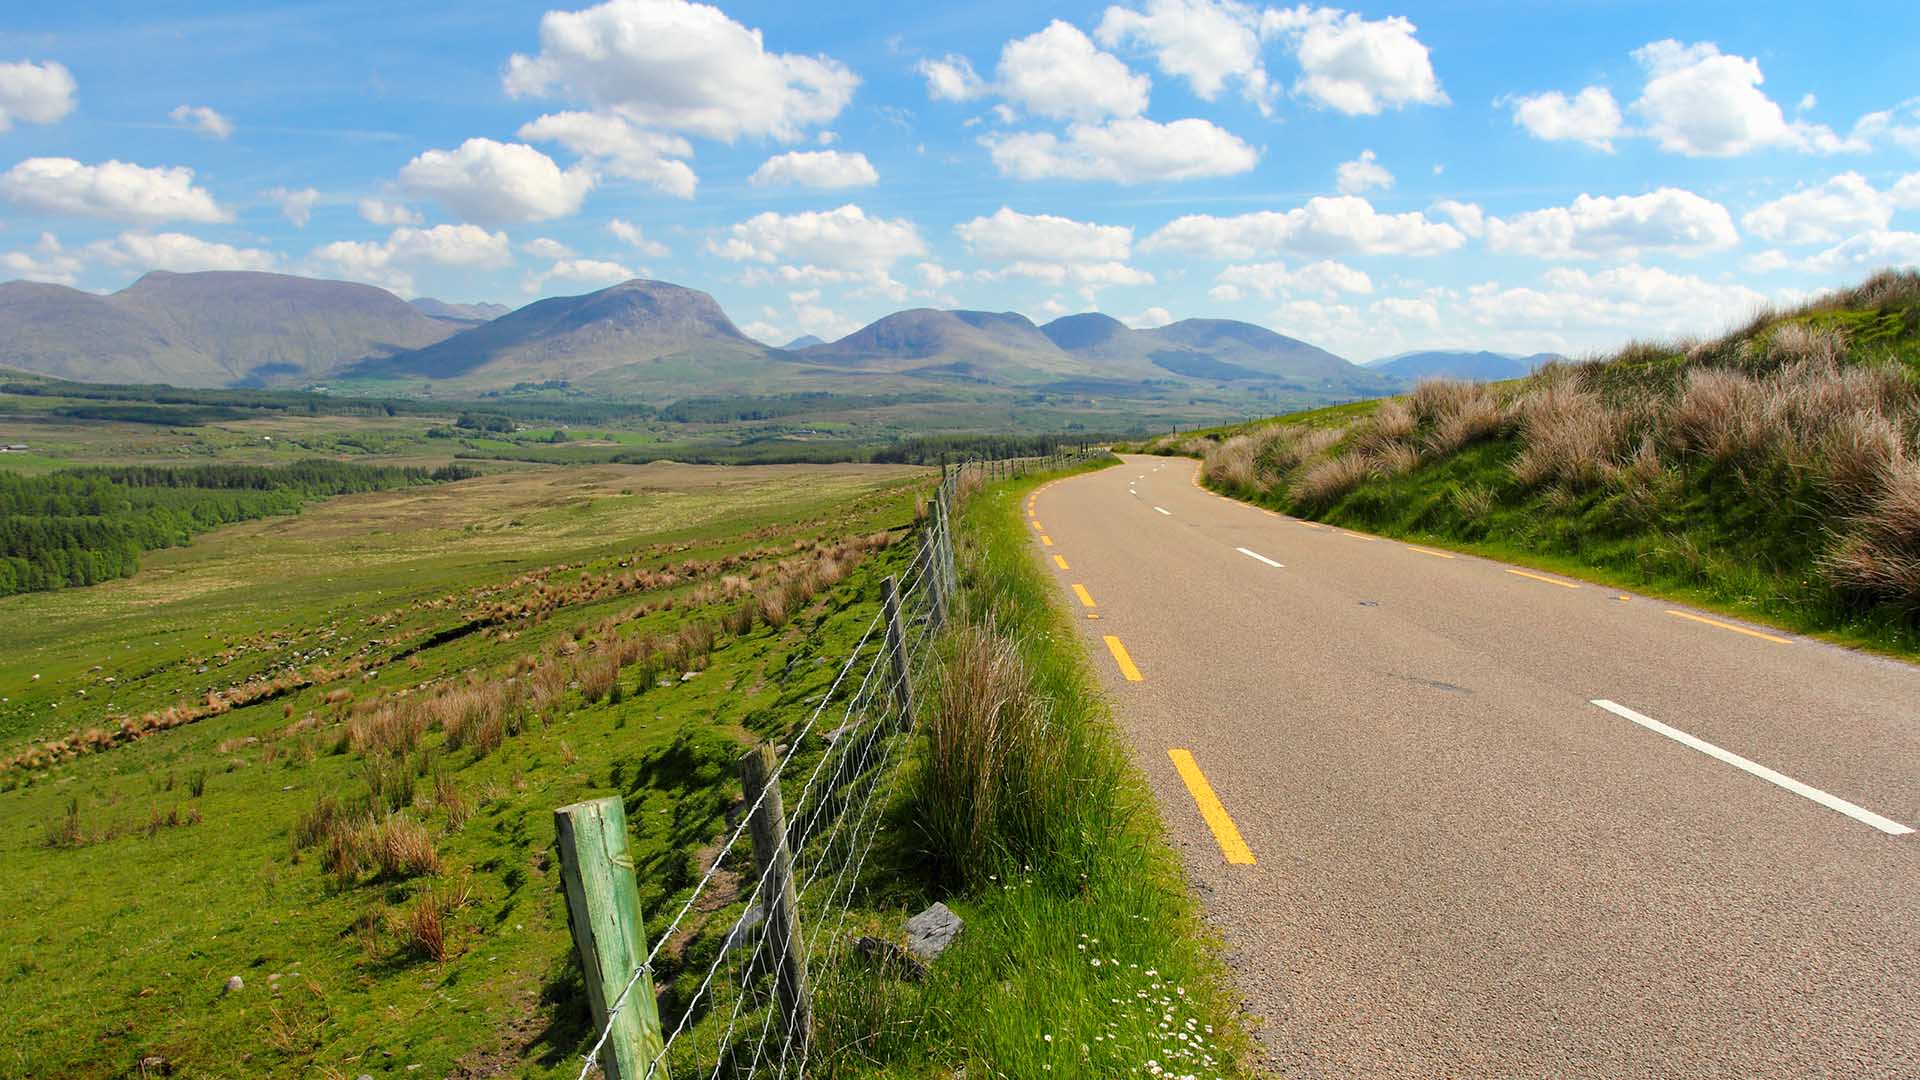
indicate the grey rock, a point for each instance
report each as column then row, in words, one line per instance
column 932, row 931
column 235, row 985
column 741, row 935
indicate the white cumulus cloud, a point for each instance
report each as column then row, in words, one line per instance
column 1132, row 150
column 1205, row 42
column 845, row 239
column 1008, row 235
column 202, row 119
column 679, row 66
column 1669, row 221
column 114, row 190
column 1152, row 318
column 35, row 93
column 1701, row 102
column 1356, row 65
column 1059, row 73
column 296, row 206
column 952, row 78
column 387, row 263
column 1873, row 249
column 177, row 252
column 594, row 273
column 1362, row 174
column 47, row 262
column 497, row 183
column 1825, row 214
column 636, row 238
column 615, row 147
column 827, row 169
column 381, row 212
column 1590, row 116
column 1271, row 279
column 545, row 247
column 1326, row 225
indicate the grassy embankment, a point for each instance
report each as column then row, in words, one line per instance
column 1083, row 953
column 1772, row 473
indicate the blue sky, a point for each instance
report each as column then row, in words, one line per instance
column 1515, row 176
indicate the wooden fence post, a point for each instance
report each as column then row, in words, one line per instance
column 603, row 908
column 897, row 649
column 935, row 574
column 774, row 860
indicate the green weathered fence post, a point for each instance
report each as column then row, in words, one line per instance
column 897, row 649
column 603, row 908
column 773, row 858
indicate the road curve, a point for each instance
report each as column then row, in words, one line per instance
column 1456, row 818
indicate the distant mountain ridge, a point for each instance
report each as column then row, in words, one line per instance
column 640, row 339
column 216, row 328
column 1482, row 366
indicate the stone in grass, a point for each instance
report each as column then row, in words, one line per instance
column 742, row 932
column 235, row 985
column 930, row 932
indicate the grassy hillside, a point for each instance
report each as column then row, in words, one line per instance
column 1773, row 472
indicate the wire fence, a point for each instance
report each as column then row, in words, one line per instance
column 814, row 809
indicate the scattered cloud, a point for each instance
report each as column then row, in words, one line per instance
column 381, row 212
column 387, row 263
column 844, row 246
column 952, row 78
column 634, row 237
column 1362, row 174
column 825, row 169
column 296, row 206
column 46, row 262
column 114, row 190
column 1467, row 217
column 614, row 147
column 1205, row 42
column 1149, row 319
column 543, row 247
column 1669, row 221
column 1355, row 65
column 177, row 252
column 1133, row 150
column 1590, row 116
column 33, row 93
column 1825, row 214
column 1058, row 73
column 202, row 119
column 673, row 65
column 1870, row 250
column 1009, row 236
column 497, row 183
column 593, row 273
column 1273, row 279
column 1342, row 225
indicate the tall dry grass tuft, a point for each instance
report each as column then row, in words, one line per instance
column 1569, row 435
column 1880, row 559
column 1322, row 483
column 1230, row 463
column 1460, row 414
column 992, row 757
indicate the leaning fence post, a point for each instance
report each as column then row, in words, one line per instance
column 774, row 860
column 603, row 908
column 897, row 648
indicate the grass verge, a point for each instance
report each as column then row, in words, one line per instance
column 1083, row 953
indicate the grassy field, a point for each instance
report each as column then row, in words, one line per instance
column 435, row 936
column 1773, row 473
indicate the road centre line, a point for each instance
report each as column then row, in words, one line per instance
column 1831, row 802
column 1036, row 525
column 1430, row 551
column 1080, row 591
column 1120, row 657
column 1730, row 626
column 1061, row 562
column 1045, row 540
column 1225, row 833
column 1542, row 577
column 1257, row 555
column 1164, row 510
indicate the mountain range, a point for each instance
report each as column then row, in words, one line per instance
column 1479, row 366
column 638, row 339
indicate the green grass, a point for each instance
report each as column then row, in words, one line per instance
column 133, row 932
column 1071, row 962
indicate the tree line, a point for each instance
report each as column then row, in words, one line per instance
column 83, row 526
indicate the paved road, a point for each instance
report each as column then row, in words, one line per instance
column 1460, row 864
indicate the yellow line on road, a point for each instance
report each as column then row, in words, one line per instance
column 1045, row 540
column 1036, row 525
column 1081, row 592
column 1308, row 524
column 1430, row 551
column 1735, row 629
column 1231, row 845
column 1542, row 577
column 1120, row 657
column 1061, row 562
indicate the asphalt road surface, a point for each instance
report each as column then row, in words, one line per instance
column 1460, row 819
